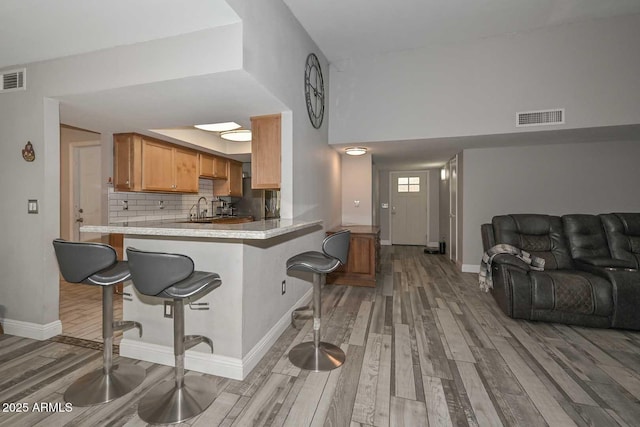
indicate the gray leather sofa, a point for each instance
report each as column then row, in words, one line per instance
column 591, row 273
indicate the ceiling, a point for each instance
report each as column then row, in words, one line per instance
column 346, row 29
column 33, row 30
column 36, row 30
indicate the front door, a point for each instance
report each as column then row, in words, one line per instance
column 409, row 221
column 86, row 172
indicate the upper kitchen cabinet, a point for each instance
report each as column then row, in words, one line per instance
column 265, row 152
column 127, row 173
column 232, row 186
column 213, row 166
column 146, row 164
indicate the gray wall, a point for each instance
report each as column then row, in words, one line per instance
column 590, row 68
column 549, row 179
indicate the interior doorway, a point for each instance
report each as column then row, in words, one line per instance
column 81, row 192
column 453, row 209
column 86, row 191
column 409, row 208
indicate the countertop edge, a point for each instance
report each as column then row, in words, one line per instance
column 167, row 231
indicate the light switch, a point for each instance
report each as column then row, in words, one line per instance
column 356, row 203
column 32, row 206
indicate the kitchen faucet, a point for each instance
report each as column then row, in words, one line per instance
column 201, row 214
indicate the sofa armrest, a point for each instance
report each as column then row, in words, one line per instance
column 604, row 262
column 512, row 286
column 511, row 260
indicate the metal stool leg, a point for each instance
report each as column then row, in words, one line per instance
column 112, row 381
column 317, row 355
column 175, row 401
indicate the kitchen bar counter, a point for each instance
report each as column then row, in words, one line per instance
column 247, row 313
column 256, row 230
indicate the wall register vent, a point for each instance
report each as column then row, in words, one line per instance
column 13, row 80
column 538, row 118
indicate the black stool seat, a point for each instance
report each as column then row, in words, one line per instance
column 193, row 285
column 316, row 355
column 117, row 273
column 313, row 262
column 165, row 275
column 97, row 264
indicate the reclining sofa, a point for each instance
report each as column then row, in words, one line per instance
column 590, row 277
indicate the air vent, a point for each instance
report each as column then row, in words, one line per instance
column 13, row 80
column 538, row 118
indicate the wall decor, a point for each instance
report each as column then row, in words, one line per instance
column 28, row 153
column 314, row 90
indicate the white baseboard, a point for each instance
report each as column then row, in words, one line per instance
column 34, row 331
column 385, row 242
column 433, row 244
column 251, row 359
column 470, row 268
column 223, row 366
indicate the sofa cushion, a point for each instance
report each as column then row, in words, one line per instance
column 585, row 236
column 623, row 236
column 571, row 291
column 540, row 235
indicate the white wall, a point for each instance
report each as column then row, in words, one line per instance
column 275, row 47
column 357, row 185
column 591, row 69
column 549, row 179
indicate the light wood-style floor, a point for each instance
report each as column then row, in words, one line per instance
column 425, row 347
column 81, row 311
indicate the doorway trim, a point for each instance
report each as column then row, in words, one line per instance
column 71, row 219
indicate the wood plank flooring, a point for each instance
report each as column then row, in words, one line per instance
column 426, row 347
column 81, row 311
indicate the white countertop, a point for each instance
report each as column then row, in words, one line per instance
column 256, row 230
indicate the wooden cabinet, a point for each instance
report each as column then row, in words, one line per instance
column 127, row 173
column 266, row 152
column 116, row 241
column 157, row 166
column 232, row 186
column 213, row 166
column 147, row 164
column 364, row 256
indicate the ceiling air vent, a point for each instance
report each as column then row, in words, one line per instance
column 538, row 118
column 13, row 80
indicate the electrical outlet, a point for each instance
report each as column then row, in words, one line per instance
column 168, row 309
column 284, row 287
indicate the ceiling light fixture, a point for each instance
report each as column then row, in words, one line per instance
column 218, row 127
column 356, row 151
column 240, row 135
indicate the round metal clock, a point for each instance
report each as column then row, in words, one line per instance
column 314, row 90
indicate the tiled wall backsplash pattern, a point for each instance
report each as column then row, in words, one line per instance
column 147, row 207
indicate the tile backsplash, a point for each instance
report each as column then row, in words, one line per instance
column 156, row 206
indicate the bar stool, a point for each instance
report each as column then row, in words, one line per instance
column 317, row 355
column 172, row 276
column 97, row 264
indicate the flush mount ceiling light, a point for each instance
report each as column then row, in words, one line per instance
column 240, row 135
column 356, row 151
column 218, row 127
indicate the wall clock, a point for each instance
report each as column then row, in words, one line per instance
column 314, row 90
